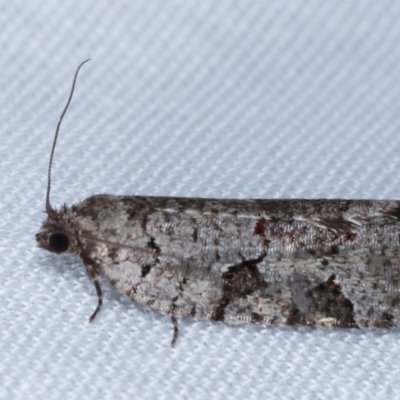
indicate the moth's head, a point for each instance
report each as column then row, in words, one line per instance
column 56, row 234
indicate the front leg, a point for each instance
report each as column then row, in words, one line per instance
column 93, row 273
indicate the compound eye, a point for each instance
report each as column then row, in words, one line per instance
column 58, row 242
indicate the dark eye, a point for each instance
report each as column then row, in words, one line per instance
column 58, row 242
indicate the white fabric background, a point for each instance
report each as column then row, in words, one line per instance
column 187, row 98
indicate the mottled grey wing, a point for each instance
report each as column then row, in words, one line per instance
column 301, row 261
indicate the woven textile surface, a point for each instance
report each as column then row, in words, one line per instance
column 225, row 99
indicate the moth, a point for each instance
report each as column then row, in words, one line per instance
column 310, row 262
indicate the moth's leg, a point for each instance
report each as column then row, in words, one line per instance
column 94, row 277
column 99, row 296
column 176, row 330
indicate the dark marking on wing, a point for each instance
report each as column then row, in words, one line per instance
column 239, row 281
column 91, row 207
column 295, row 316
column 145, row 270
column 349, row 237
column 260, row 227
column 255, row 317
column 332, row 250
column 181, row 286
column 144, row 223
column 113, row 254
column 243, row 279
column 153, row 245
column 312, row 252
column 219, row 312
column 324, row 299
column 132, row 208
column 192, row 312
column 385, row 321
column 393, row 212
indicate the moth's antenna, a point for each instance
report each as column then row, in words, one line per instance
column 48, row 206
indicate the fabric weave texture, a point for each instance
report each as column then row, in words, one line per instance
column 246, row 99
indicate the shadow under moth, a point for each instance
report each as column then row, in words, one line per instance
column 307, row 262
